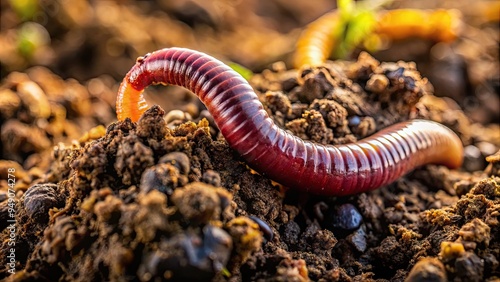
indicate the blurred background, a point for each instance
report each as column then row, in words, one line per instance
column 83, row 39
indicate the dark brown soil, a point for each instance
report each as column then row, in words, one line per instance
column 167, row 199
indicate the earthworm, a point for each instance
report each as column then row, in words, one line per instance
column 276, row 153
column 317, row 41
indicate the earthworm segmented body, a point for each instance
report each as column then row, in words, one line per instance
column 317, row 40
column 276, row 153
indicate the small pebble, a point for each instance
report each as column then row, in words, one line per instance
column 289, row 83
column 490, row 263
column 354, row 121
column 473, row 159
column 377, row 83
column 358, row 239
column 175, row 115
column 346, row 217
column 463, row 187
column 469, row 268
column 472, row 151
column 487, row 148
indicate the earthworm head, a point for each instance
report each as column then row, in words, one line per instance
column 136, row 96
column 131, row 93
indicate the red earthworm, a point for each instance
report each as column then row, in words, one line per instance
column 276, row 153
column 317, row 41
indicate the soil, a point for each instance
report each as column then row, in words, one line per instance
column 166, row 198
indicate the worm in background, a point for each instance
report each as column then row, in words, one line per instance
column 318, row 40
column 306, row 166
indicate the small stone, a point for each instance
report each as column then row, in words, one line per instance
column 174, row 115
column 469, row 268
column 354, row 121
column 358, row 239
column 463, row 187
column 487, row 148
column 279, row 66
column 289, row 83
column 473, row 159
column 346, row 217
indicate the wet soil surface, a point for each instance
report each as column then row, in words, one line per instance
column 166, row 198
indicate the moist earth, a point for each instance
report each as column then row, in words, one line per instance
column 166, row 198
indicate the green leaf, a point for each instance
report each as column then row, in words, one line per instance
column 225, row 272
column 246, row 73
column 357, row 22
column 25, row 9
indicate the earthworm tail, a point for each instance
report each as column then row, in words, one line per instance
column 317, row 40
column 270, row 150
